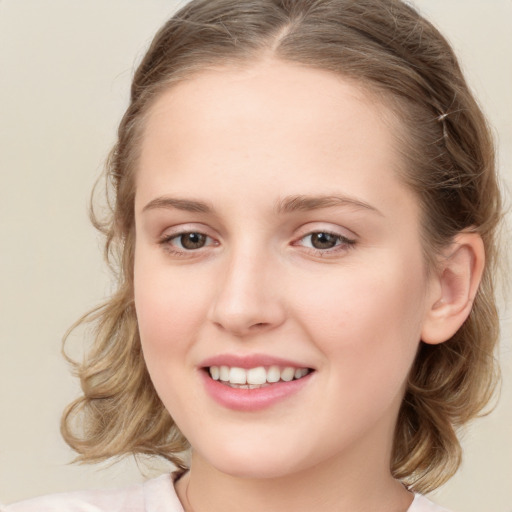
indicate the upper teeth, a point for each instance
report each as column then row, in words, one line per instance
column 256, row 376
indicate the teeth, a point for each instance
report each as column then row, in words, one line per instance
column 287, row 374
column 255, row 377
column 273, row 374
column 237, row 376
column 224, row 373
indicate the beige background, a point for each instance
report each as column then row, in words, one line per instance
column 65, row 68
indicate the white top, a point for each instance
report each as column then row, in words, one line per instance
column 156, row 495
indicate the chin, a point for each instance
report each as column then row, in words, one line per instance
column 258, row 464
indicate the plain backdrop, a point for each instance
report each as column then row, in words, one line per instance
column 65, row 69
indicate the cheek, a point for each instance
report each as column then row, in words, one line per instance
column 169, row 322
column 369, row 334
column 367, row 321
column 362, row 301
column 170, row 309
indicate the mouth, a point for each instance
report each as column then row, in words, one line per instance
column 255, row 382
column 255, row 378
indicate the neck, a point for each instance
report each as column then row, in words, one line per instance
column 337, row 484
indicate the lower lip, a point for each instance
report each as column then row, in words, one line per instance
column 247, row 400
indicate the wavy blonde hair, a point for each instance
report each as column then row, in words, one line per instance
column 386, row 46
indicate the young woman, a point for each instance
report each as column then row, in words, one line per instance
column 304, row 218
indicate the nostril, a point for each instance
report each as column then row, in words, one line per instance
column 258, row 325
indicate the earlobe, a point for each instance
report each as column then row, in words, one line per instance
column 457, row 278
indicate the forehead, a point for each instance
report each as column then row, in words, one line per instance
column 293, row 125
column 270, row 91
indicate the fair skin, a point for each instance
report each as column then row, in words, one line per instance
column 270, row 276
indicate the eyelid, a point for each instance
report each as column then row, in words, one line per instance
column 342, row 238
column 326, row 227
column 175, row 232
column 172, row 236
column 344, row 243
column 180, row 229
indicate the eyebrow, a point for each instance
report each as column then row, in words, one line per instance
column 288, row 204
column 187, row 205
column 305, row 203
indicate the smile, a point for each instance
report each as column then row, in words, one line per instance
column 254, row 378
column 253, row 383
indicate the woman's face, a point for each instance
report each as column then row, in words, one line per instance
column 274, row 240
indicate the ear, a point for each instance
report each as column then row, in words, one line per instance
column 453, row 287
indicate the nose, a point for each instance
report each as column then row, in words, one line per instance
column 249, row 299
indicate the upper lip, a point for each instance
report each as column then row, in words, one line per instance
column 249, row 361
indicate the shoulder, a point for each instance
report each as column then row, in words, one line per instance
column 130, row 499
column 422, row 504
column 152, row 496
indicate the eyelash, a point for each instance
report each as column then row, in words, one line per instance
column 166, row 242
column 342, row 243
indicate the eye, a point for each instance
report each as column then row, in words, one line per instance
column 189, row 241
column 323, row 241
